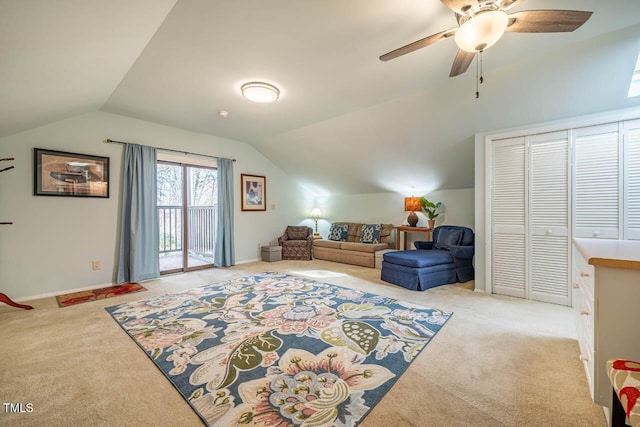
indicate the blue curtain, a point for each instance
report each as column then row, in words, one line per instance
column 139, row 240
column 224, row 250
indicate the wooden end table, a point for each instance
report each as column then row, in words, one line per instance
column 404, row 229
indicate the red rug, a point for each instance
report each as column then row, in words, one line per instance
column 95, row 294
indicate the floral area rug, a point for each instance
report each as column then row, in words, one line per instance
column 280, row 350
column 95, row 294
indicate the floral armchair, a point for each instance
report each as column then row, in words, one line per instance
column 296, row 242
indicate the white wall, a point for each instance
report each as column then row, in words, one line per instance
column 458, row 207
column 53, row 240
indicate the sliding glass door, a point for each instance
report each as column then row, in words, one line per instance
column 187, row 206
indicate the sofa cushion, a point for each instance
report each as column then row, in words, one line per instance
column 355, row 230
column 370, row 233
column 447, row 238
column 322, row 243
column 296, row 243
column 363, row 247
column 338, row 232
column 467, row 238
column 297, row 234
column 419, row 258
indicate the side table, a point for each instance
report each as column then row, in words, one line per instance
column 404, row 229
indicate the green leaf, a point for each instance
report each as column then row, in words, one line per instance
column 363, row 335
column 156, row 353
column 248, row 355
column 358, row 336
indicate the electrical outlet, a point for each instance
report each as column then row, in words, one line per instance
column 95, row 265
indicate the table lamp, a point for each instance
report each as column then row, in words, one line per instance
column 315, row 214
column 412, row 204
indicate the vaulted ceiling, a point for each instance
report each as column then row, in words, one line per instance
column 346, row 122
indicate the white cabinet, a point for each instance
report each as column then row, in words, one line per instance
column 548, row 218
column 530, row 217
column 583, row 305
column 631, row 167
column 607, row 181
column 606, row 286
column 508, row 218
column 597, row 181
column 534, row 178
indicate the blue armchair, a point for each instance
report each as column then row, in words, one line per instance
column 447, row 259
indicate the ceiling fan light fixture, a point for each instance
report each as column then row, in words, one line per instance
column 260, row 92
column 481, row 31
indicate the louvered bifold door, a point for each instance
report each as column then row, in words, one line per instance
column 632, row 179
column 508, row 209
column 596, row 182
column 549, row 218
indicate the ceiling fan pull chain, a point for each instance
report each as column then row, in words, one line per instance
column 481, row 72
column 477, row 79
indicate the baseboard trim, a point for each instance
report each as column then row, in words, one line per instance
column 62, row 292
column 89, row 288
column 247, row 261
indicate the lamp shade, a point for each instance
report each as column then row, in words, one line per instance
column 481, row 31
column 412, row 204
column 316, row 213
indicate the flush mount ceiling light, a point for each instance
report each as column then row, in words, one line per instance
column 481, row 31
column 260, row 92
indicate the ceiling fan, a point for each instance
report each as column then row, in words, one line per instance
column 482, row 23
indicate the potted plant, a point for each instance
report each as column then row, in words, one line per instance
column 432, row 209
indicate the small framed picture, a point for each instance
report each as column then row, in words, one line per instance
column 58, row 173
column 254, row 192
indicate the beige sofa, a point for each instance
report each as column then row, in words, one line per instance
column 352, row 251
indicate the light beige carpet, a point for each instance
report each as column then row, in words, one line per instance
column 499, row 361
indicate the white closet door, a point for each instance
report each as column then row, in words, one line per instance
column 632, row 179
column 508, row 212
column 549, row 218
column 596, row 180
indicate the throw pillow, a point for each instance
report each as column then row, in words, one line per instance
column 448, row 238
column 339, row 233
column 370, row 233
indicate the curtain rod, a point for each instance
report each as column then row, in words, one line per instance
column 110, row 141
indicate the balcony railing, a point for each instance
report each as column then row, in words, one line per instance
column 201, row 231
column 202, row 222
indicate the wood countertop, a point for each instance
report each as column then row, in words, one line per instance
column 610, row 253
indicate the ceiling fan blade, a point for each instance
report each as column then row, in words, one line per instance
column 547, row 21
column 461, row 63
column 427, row 41
column 461, row 7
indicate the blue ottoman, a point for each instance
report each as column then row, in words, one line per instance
column 418, row 270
